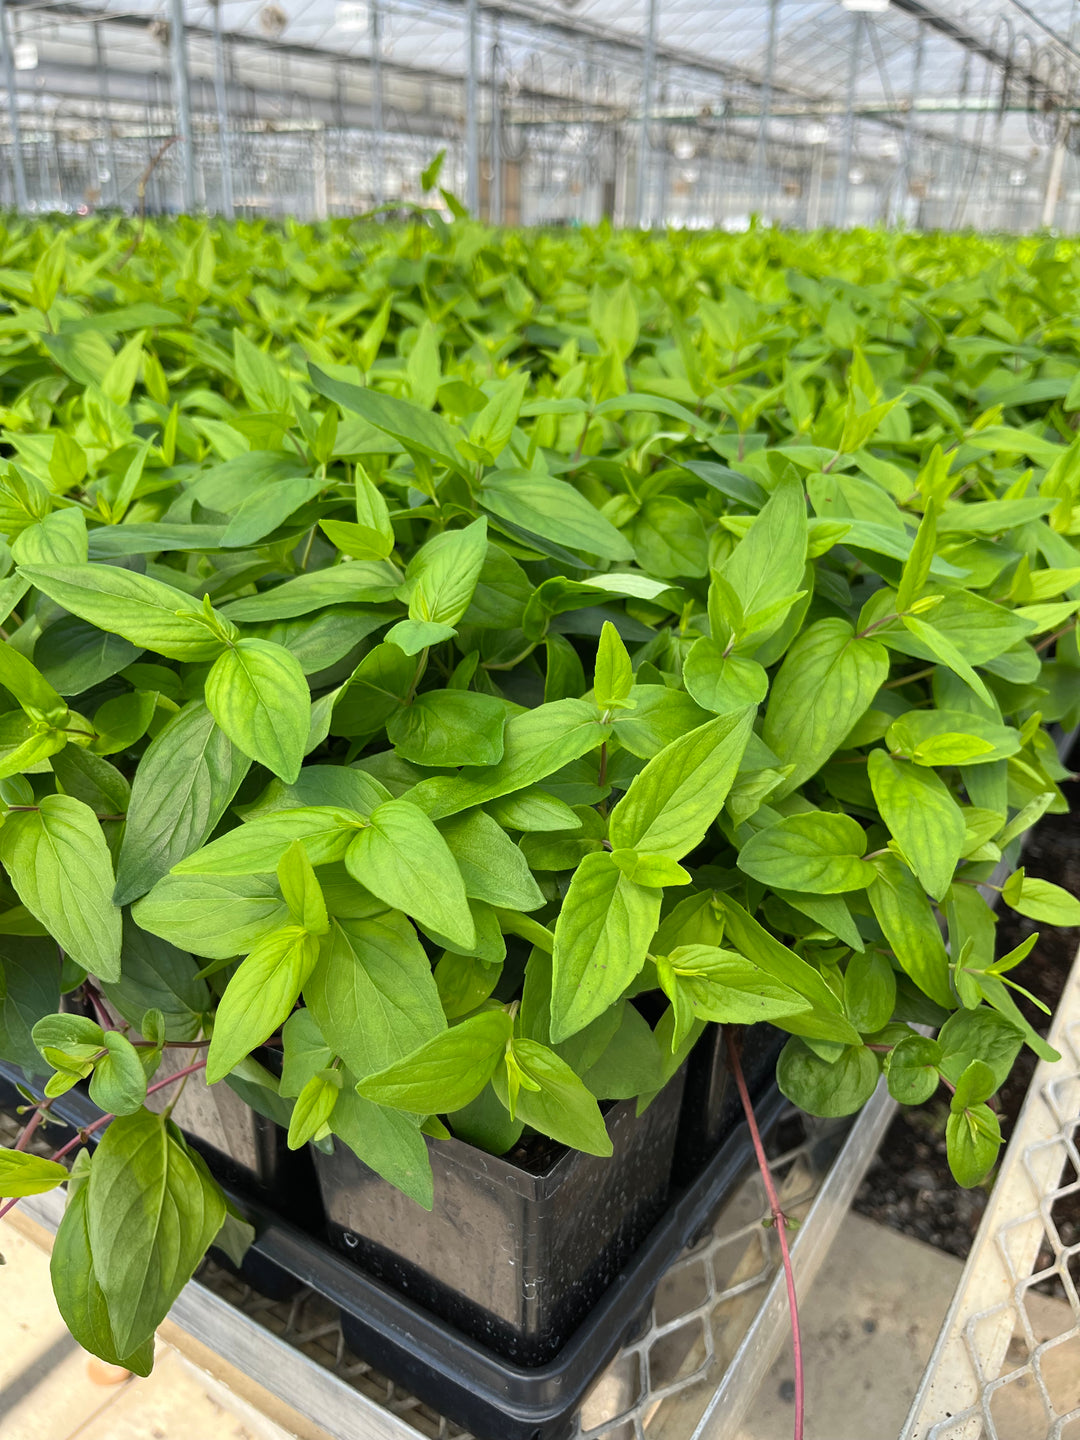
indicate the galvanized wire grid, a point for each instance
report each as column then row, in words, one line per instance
column 1007, row 1363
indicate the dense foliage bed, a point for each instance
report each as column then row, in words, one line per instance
column 421, row 642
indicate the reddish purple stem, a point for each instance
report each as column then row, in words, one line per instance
column 780, row 1223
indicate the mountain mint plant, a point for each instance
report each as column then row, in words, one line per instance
column 419, row 644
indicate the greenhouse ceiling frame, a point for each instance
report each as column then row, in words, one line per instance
column 755, row 128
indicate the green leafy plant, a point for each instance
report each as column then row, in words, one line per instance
column 419, row 646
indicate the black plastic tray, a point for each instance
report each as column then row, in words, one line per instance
column 492, row 1397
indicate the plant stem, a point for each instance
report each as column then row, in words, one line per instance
column 907, row 679
column 779, row 1221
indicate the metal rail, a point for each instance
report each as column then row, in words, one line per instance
column 1006, row 1360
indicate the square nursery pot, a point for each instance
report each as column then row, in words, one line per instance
column 711, row 1108
column 513, row 1258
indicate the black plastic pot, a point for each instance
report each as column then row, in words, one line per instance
column 512, row 1258
column 711, row 1108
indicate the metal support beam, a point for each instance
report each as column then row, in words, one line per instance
column 760, row 151
column 658, row 213
column 221, row 104
column 648, row 71
column 813, row 199
column 17, row 168
column 101, row 65
column 1053, row 185
column 182, row 100
column 495, row 197
column 378, row 119
column 907, row 150
column 472, row 105
column 858, row 27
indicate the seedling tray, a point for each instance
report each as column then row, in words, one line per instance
column 492, row 1397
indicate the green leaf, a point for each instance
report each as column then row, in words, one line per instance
column 57, row 859
column 23, row 1174
column 673, row 801
column 814, row 851
column 942, row 648
column 449, row 727
column 79, row 1297
column 337, row 786
column 445, row 1073
column 493, row 426
column 257, row 693
column 419, row 430
column 152, row 1213
column 361, row 541
column 869, row 991
column 922, row 816
column 373, row 994
column 907, row 921
column 972, row 625
column 24, row 744
column 388, row 1142
column 325, row 831
column 412, row 636
column 266, row 509
column 155, row 975
column 442, row 575
column 29, row 989
column 402, row 858
column 723, row 683
column 655, row 870
column 916, row 570
column 614, row 677
column 304, row 1052
column 601, row 939
column 314, row 1108
column 301, row 891
column 30, row 688
column 260, row 997
column 263, row 384
column 825, row 1021
column 492, row 866
column 950, row 737
column 980, row 1034
column 545, row 506
column 151, row 615
column 561, row 1106
column 911, row 1069
column 535, row 745
column 705, row 982
column 1042, row 900
column 218, row 916
column 119, row 1083
column 972, row 1140
column 767, row 564
column 355, row 582
column 825, row 684
column 820, row 1088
